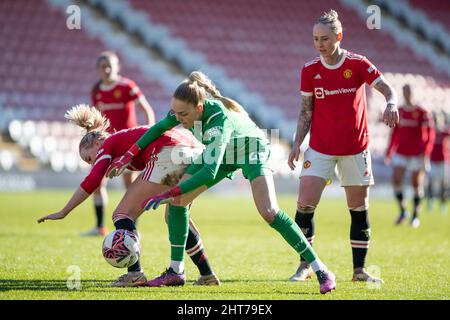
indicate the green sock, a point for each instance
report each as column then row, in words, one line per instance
column 178, row 225
column 293, row 235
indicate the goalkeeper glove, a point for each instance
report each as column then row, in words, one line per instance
column 154, row 201
column 121, row 163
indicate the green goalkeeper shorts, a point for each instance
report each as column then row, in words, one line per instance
column 254, row 162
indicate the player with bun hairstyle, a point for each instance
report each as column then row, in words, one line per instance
column 116, row 97
column 159, row 173
column 333, row 110
column 233, row 142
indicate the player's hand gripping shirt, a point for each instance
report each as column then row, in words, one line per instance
column 118, row 143
column 117, row 103
column 226, row 135
column 339, row 122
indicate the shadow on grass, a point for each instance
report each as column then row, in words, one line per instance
column 48, row 285
column 103, row 286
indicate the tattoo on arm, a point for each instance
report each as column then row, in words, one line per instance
column 304, row 120
column 386, row 90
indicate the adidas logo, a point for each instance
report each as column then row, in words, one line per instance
column 317, row 76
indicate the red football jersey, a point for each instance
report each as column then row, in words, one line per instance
column 118, row 144
column 339, row 122
column 414, row 135
column 441, row 147
column 117, row 102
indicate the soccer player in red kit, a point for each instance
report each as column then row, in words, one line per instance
column 410, row 148
column 333, row 109
column 116, row 97
column 439, row 160
column 162, row 164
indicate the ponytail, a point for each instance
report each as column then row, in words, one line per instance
column 198, row 86
column 90, row 119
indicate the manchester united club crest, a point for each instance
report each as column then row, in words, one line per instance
column 117, row 94
column 306, row 164
column 98, row 96
column 415, row 114
column 347, row 73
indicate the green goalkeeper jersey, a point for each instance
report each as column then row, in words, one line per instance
column 230, row 138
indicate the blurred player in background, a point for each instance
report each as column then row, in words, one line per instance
column 409, row 149
column 98, row 147
column 115, row 96
column 233, row 142
column 334, row 108
column 440, row 156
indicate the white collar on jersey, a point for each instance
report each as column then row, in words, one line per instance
column 334, row 66
column 107, row 87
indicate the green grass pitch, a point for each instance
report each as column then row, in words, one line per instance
column 250, row 258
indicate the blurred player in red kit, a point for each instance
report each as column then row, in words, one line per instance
column 116, row 97
column 409, row 149
column 439, row 160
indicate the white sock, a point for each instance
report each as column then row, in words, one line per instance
column 177, row 266
column 318, row 265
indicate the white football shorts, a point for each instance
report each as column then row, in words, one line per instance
column 171, row 160
column 352, row 170
column 438, row 170
column 412, row 163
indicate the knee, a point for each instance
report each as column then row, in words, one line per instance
column 268, row 214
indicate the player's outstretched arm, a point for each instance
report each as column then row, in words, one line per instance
column 77, row 198
column 303, row 125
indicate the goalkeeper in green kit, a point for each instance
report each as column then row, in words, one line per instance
column 233, row 141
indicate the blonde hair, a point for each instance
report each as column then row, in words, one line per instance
column 108, row 55
column 90, row 119
column 330, row 19
column 198, row 86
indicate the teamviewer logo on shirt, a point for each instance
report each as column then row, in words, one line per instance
column 318, row 93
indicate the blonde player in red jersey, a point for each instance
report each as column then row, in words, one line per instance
column 438, row 175
column 409, row 149
column 334, row 108
column 162, row 163
column 116, row 97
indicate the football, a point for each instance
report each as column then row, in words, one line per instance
column 121, row 248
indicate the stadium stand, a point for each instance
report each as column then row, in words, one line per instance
column 267, row 43
column 45, row 69
column 418, row 19
column 435, row 10
column 254, row 50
